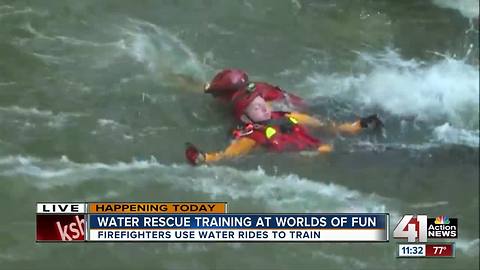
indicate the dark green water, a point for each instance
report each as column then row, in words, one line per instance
column 89, row 111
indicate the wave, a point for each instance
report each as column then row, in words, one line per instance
column 7, row 83
column 380, row 147
column 271, row 193
column 68, row 40
column 102, row 122
column 50, row 118
column 447, row 89
column 11, row 12
column 39, row 113
column 441, row 135
column 423, row 205
column 27, row 111
column 468, row 8
column 451, row 135
column 53, row 59
column 162, row 52
column 282, row 193
column 469, row 247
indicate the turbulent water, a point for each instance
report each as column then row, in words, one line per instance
column 90, row 110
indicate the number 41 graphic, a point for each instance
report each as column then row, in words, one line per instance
column 412, row 228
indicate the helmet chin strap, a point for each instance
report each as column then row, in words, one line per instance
column 248, row 118
column 257, row 123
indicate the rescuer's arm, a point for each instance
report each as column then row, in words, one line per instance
column 306, row 120
column 325, row 149
column 351, row 128
column 238, row 147
column 185, row 82
column 344, row 128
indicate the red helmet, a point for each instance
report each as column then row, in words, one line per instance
column 227, row 82
column 242, row 99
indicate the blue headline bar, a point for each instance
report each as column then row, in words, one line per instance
column 238, row 221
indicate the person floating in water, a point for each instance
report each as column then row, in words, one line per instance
column 274, row 130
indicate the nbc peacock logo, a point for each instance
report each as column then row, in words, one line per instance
column 442, row 220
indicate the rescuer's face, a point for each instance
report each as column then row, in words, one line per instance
column 258, row 110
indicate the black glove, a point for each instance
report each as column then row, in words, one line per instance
column 371, row 121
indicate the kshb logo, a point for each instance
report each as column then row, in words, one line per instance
column 419, row 228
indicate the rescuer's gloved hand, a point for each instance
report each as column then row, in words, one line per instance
column 193, row 155
column 371, row 121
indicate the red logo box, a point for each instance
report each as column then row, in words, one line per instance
column 61, row 227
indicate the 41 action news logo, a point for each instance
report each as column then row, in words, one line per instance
column 419, row 228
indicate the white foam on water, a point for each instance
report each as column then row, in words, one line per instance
column 11, row 256
column 17, row 159
column 38, row 113
column 380, row 147
column 280, row 193
column 10, row 12
column 53, row 59
column 87, row 43
column 451, row 135
column 65, row 162
column 220, row 30
column 468, row 247
column 99, row 53
column 175, row 248
column 468, row 8
column 27, row 111
column 163, row 53
column 445, row 89
column 127, row 137
column 341, row 260
column 68, row 40
column 283, row 193
column 23, row 116
column 2, row 7
column 7, row 83
column 422, row 205
column 37, row 172
column 110, row 195
column 108, row 122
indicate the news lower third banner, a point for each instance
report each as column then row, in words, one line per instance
column 199, row 222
